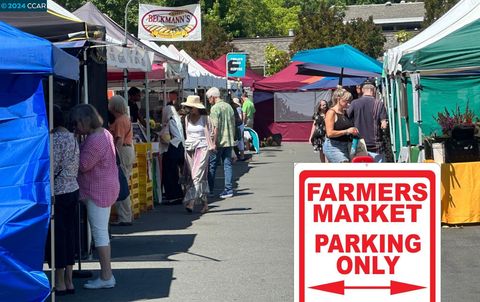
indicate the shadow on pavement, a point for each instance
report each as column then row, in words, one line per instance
column 149, row 248
column 132, row 285
column 229, row 210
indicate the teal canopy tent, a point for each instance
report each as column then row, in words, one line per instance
column 443, row 63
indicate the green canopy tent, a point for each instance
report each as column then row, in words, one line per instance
column 443, row 64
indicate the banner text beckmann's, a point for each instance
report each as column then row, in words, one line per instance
column 158, row 23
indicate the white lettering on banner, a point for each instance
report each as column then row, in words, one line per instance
column 367, row 232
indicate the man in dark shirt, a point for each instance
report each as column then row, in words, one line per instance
column 134, row 96
column 369, row 117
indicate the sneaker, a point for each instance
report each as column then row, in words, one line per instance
column 226, row 194
column 99, row 283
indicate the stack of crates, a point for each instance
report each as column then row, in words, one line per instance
column 144, row 161
column 133, row 186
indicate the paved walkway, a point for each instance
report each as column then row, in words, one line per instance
column 242, row 250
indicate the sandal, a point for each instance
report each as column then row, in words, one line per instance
column 204, row 209
column 189, row 206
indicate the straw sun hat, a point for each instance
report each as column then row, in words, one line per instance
column 193, row 101
column 237, row 101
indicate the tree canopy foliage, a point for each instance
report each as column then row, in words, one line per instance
column 317, row 23
column 434, row 9
column 323, row 26
column 275, row 59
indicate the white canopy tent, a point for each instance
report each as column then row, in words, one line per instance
column 463, row 13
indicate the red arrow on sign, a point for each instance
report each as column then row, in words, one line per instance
column 339, row 287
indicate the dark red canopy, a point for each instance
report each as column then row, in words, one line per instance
column 286, row 79
column 218, row 68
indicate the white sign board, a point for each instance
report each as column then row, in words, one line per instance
column 367, row 232
column 131, row 58
column 156, row 23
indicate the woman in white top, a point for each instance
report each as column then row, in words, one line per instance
column 197, row 145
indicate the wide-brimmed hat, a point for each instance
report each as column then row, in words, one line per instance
column 237, row 101
column 193, row 101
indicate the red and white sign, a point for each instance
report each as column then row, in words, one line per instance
column 367, row 232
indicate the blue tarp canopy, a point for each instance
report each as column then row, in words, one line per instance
column 25, row 160
column 332, row 82
column 343, row 55
column 24, row 53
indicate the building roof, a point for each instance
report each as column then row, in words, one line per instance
column 388, row 12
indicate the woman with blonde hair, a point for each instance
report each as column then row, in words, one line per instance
column 121, row 130
column 339, row 128
column 98, row 182
column 198, row 144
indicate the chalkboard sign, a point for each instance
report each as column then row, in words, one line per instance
column 139, row 135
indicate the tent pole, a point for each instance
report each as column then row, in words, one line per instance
column 399, row 119
column 420, row 133
column 125, row 83
column 52, row 193
column 165, row 93
column 147, row 108
column 340, row 80
column 391, row 116
column 85, row 77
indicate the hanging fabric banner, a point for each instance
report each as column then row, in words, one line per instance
column 130, row 58
column 156, row 23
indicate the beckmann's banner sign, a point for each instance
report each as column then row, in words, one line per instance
column 367, row 232
column 169, row 23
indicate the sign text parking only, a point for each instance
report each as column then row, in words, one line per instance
column 367, row 232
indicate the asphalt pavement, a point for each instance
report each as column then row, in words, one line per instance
column 242, row 249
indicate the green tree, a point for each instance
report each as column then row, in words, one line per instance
column 324, row 27
column 275, row 59
column 365, row 36
column 318, row 27
column 283, row 17
column 215, row 42
column 403, row 36
column 115, row 9
column 434, row 9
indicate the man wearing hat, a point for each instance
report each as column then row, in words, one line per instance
column 223, row 122
column 369, row 117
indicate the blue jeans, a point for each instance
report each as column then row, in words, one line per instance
column 377, row 157
column 336, row 151
column 225, row 153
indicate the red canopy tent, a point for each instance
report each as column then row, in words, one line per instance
column 218, row 68
column 157, row 73
column 284, row 80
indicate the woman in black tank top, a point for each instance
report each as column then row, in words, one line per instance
column 339, row 128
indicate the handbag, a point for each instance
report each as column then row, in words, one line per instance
column 122, row 180
column 190, row 146
column 358, row 148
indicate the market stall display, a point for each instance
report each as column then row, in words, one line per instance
column 25, row 185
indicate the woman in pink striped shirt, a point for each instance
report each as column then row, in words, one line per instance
column 98, row 182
